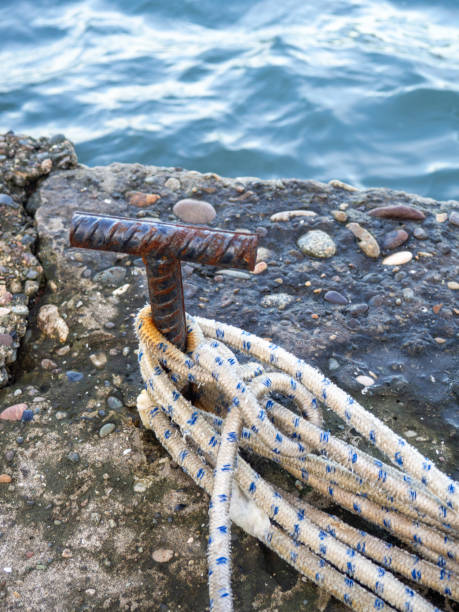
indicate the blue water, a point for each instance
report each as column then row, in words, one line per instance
column 366, row 91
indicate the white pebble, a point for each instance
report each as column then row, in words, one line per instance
column 397, row 259
column 286, row 215
column 121, row 289
column 194, row 211
column 162, row 555
column 366, row 381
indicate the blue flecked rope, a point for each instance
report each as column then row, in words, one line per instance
column 213, row 366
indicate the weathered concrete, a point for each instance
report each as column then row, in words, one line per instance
column 84, row 513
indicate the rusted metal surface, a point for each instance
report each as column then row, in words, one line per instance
column 162, row 247
column 166, row 298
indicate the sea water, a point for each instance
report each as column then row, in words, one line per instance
column 366, row 91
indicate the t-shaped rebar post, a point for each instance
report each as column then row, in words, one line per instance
column 162, row 247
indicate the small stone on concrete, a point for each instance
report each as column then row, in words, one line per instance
column 190, row 210
column 394, row 239
column 398, row 259
column 335, row 298
column 106, row 429
column 317, row 243
column 162, row 555
column 279, row 300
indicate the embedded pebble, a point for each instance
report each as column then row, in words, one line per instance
column 398, row 259
column 409, row 433
column 366, row 381
column 6, row 340
column 340, row 185
column 114, row 403
column 335, row 298
column 366, row 241
column 16, row 286
column 441, row 217
column 397, row 212
column 31, row 288
column 279, row 300
column 121, row 290
column 420, row 233
column 140, row 486
column 7, row 200
column 358, row 309
column 317, row 244
column 67, row 553
column 20, row 310
column 376, row 300
column 339, row 215
column 4, row 311
column 63, row 350
column 32, row 274
column 46, row 165
column 142, row 200
column 394, row 239
column 98, row 360
column 48, row 364
column 74, row 376
column 234, row 274
column 27, row 416
column 194, row 211
column 5, row 478
column 111, row 277
column 60, row 415
column 172, row 183
column 51, row 323
column 162, row 555
column 13, row 413
column 453, row 285
column 5, row 296
column 333, row 364
column 106, row 429
column 260, row 267
column 263, row 254
column 73, row 456
column 408, row 294
column 454, row 218
column 286, row 215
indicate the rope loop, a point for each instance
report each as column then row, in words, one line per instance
column 269, row 402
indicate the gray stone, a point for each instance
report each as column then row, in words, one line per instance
column 173, row 184
column 317, row 243
column 73, row 456
column 420, row 233
column 194, row 211
column 335, row 298
column 358, row 309
column 454, row 218
column 279, row 300
column 114, row 403
column 20, row 310
column 106, row 429
column 235, row 274
column 394, row 239
column 7, row 200
column 408, row 294
column 111, row 277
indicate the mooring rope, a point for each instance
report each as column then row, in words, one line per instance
column 234, row 408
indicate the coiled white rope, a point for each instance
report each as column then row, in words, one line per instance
column 415, row 502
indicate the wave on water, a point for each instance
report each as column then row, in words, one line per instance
column 366, row 92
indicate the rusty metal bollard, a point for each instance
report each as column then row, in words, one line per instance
column 162, row 247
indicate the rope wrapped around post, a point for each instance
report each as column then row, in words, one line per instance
column 412, row 500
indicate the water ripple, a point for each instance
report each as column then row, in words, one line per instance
column 362, row 91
